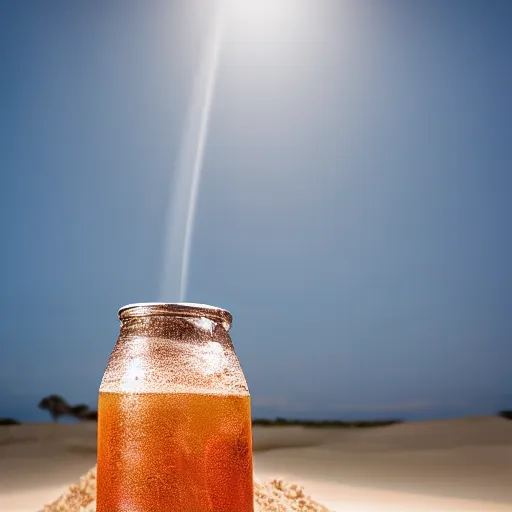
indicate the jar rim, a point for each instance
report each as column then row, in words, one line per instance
column 176, row 309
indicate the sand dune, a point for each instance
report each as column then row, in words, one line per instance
column 470, row 458
column 437, row 466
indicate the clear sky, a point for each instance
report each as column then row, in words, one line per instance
column 354, row 212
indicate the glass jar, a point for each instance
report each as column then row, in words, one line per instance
column 174, row 419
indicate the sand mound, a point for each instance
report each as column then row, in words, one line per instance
column 274, row 496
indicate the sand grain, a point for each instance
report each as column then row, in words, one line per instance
column 273, row 496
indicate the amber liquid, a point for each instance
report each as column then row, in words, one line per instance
column 174, row 452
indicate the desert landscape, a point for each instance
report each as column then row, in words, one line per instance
column 451, row 465
column 329, row 177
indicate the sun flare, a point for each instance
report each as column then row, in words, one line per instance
column 262, row 17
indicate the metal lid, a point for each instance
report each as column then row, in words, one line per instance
column 176, row 309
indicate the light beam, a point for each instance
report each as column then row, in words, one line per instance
column 188, row 176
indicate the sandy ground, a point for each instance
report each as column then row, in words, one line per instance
column 456, row 465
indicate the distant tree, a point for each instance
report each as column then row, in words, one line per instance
column 55, row 405
column 9, row 421
column 78, row 411
column 506, row 414
column 90, row 416
column 283, row 422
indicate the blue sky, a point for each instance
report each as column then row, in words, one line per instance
column 354, row 211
